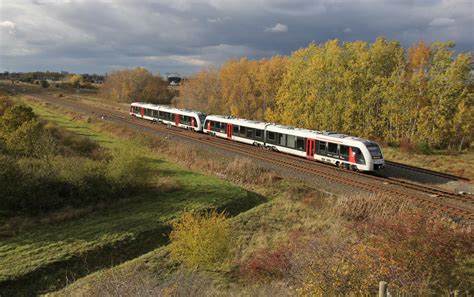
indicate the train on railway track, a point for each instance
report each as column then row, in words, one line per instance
column 329, row 147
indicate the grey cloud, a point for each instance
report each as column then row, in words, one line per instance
column 185, row 35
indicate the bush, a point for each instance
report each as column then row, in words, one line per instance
column 201, row 240
column 14, row 117
column 127, row 171
column 45, row 84
column 420, row 253
column 30, row 139
column 423, row 148
column 266, row 264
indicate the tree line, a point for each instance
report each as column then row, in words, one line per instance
column 422, row 95
column 138, row 84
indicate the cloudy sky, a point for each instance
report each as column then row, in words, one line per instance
column 185, row 35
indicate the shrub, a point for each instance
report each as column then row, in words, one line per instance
column 420, row 253
column 201, row 240
column 334, row 265
column 127, row 171
column 266, row 264
column 30, row 139
column 5, row 103
column 14, row 117
column 423, row 147
column 407, row 146
column 45, row 84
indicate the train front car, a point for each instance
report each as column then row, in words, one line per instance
column 334, row 148
column 373, row 153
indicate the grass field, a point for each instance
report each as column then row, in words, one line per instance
column 40, row 259
column 294, row 209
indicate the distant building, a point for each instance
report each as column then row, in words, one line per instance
column 174, row 79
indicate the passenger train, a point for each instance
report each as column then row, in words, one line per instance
column 329, row 147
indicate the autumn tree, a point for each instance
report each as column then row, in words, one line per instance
column 202, row 91
column 422, row 95
column 136, row 85
column 74, row 79
column 202, row 240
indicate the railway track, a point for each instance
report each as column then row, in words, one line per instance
column 453, row 204
column 426, row 171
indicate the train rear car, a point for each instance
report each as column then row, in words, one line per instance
column 182, row 118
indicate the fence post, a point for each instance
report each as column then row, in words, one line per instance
column 382, row 289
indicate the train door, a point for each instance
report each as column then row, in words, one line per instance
column 229, row 131
column 192, row 122
column 352, row 154
column 176, row 119
column 310, row 147
column 209, row 125
column 142, row 111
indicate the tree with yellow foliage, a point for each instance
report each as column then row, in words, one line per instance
column 201, row 239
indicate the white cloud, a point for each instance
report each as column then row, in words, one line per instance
column 442, row 22
column 278, row 28
column 347, row 30
column 8, row 25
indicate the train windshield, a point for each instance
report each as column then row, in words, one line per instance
column 375, row 151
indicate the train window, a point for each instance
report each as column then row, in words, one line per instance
column 243, row 131
column 216, row 126
column 223, row 126
column 322, row 147
column 332, row 148
column 236, row 129
column 358, row 155
column 290, row 141
column 300, row 142
column 344, row 150
column 271, row 136
column 281, row 139
column 258, row 133
column 249, row 133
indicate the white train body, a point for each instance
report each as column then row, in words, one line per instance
column 183, row 118
column 338, row 149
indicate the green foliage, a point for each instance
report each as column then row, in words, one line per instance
column 45, row 84
column 201, row 240
column 14, row 117
column 30, row 139
column 45, row 168
column 127, row 170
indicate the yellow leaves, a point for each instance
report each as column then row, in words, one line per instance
column 136, row 84
column 202, row 240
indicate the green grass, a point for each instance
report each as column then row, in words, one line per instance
column 38, row 260
column 461, row 164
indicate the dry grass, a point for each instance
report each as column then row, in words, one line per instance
column 360, row 207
